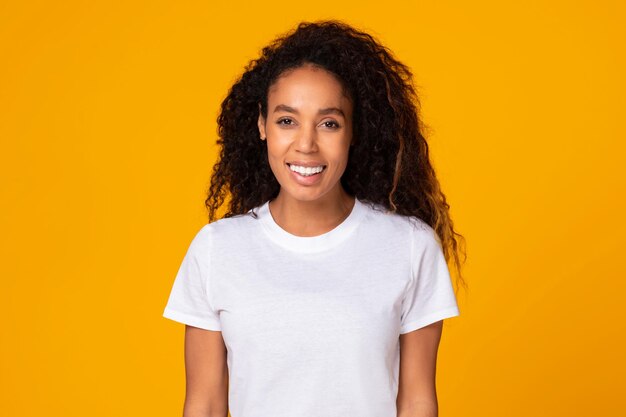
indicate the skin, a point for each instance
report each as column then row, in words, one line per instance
column 206, row 373
column 303, row 133
column 417, row 395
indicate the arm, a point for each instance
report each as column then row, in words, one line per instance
column 206, row 372
column 417, row 396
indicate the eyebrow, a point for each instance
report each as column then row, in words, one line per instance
column 328, row 110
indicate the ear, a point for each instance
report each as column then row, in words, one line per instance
column 261, row 124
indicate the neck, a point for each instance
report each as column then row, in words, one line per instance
column 311, row 217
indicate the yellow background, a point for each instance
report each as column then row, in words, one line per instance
column 107, row 121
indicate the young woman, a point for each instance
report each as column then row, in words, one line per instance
column 322, row 290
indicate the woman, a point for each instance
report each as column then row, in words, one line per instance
column 322, row 290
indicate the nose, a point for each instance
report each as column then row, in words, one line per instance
column 306, row 140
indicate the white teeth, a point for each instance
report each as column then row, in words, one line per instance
column 306, row 170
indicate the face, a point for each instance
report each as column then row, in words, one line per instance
column 308, row 128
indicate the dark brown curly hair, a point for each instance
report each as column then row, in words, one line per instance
column 389, row 162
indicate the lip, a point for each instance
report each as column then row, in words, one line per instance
column 306, row 163
column 308, row 180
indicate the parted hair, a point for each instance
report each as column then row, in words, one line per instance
column 389, row 162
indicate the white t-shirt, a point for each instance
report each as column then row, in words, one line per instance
column 312, row 324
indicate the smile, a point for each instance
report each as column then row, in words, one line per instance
column 306, row 171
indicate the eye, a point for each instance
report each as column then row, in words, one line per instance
column 280, row 122
column 333, row 124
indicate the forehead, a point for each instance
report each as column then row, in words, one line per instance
column 308, row 85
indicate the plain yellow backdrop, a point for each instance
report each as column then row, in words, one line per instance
column 107, row 122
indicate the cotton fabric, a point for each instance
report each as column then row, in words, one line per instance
column 312, row 324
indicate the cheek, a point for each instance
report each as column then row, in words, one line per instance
column 274, row 148
column 340, row 152
column 275, row 155
column 279, row 144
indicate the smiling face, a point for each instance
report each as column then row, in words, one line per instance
column 308, row 126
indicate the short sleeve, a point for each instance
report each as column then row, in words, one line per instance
column 189, row 301
column 429, row 296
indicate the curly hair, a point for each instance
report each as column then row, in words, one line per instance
column 389, row 163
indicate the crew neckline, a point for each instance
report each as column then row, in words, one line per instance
column 309, row 244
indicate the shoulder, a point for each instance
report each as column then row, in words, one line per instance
column 379, row 217
column 226, row 229
column 422, row 232
column 414, row 228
